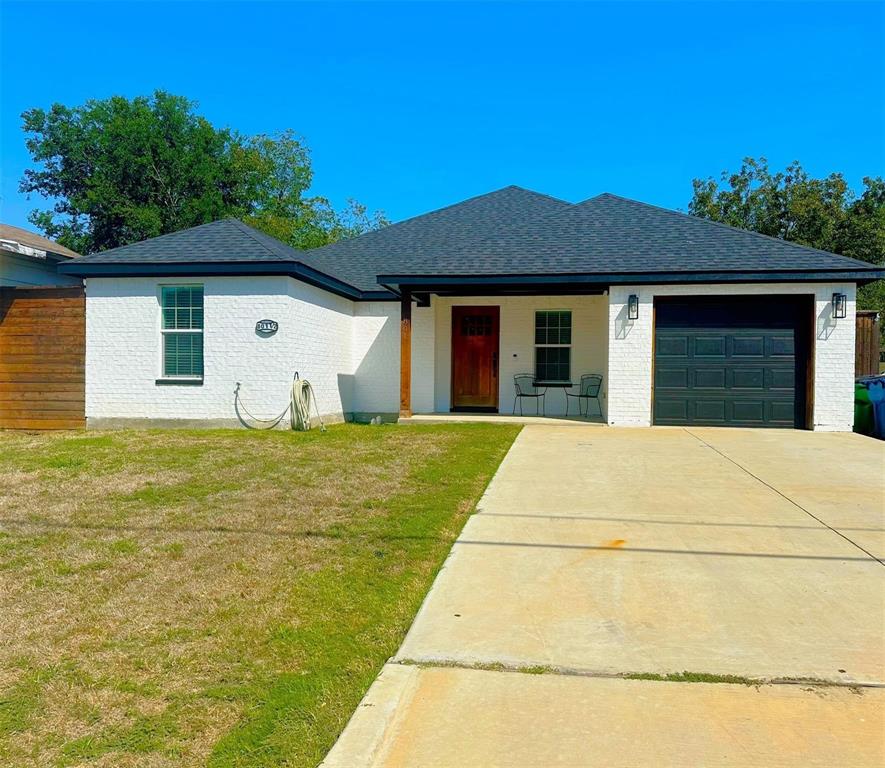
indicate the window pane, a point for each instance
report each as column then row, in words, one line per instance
column 553, row 363
column 196, row 307
column 168, row 303
column 182, row 306
column 553, row 327
column 182, row 354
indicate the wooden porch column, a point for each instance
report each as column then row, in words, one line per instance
column 405, row 354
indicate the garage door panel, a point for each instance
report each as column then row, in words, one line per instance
column 748, row 346
column 781, row 413
column 671, row 410
column 712, row 411
column 673, row 346
column 729, row 361
column 749, row 411
column 671, row 378
column 782, row 378
column 781, row 346
column 707, row 378
column 710, row 346
column 748, row 378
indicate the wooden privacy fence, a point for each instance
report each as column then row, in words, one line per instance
column 42, row 358
column 866, row 343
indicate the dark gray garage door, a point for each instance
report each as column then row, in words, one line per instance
column 731, row 361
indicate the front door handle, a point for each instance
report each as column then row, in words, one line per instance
column 495, row 363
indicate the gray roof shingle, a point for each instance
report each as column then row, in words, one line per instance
column 511, row 231
column 610, row 234
column 226, row 240
column 430, row 238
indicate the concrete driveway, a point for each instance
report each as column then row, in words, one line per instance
column 599, row 554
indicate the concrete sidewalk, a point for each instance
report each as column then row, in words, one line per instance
column 603, row 552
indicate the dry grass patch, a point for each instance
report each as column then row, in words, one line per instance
column 173, row 598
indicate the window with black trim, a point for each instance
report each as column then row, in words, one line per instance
column 553, row 345
column 182, row 331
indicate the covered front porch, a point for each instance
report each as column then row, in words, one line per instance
column 481, row 355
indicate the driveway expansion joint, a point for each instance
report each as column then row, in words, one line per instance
column 668, row 677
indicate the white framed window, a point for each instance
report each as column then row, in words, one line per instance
column 553, row 345
column 181, row 327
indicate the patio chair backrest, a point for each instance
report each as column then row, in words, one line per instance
column 590, row 384
column 525, row 384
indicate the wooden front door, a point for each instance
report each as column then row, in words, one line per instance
column 475, row 357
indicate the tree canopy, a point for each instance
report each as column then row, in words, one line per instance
column 821, row 213
column 122, row 170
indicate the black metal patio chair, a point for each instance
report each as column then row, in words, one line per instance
column 588, row 389
column 524, row 384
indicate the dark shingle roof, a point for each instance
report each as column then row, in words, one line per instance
column 512, row 231
column 610, row 234
column 430, row 238
column 225, row 240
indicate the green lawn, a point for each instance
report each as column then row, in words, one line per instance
column 224, row 597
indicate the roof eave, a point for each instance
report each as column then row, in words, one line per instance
column 221, row 269
column 447, row 282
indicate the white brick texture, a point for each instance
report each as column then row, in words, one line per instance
column 123, row 351
column 630, row 349
column 350, row 351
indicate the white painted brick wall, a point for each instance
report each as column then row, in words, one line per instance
column 376, row 357
column 423, row 357
column 376, row 336
column 517, row 345
column 123, row 356
column 630, row 349
column 350, row 351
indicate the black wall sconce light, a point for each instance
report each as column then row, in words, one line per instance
column 840, row 305
column 633, row 307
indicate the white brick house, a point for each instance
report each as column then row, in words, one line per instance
column 682, row 320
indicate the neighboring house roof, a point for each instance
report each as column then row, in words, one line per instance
column 509, row 235
column 24, row 243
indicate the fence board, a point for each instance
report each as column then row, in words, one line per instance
column 867, row 342
column 42, row 358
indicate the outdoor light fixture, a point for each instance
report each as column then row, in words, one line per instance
column 840, row 303
column 633, row 307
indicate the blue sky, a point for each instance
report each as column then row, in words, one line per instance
column 409, row 107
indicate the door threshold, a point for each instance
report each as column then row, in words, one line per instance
column 473, row 409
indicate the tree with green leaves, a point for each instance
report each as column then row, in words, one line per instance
column 279, row 172
column 821, row 213
column 122, row 170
